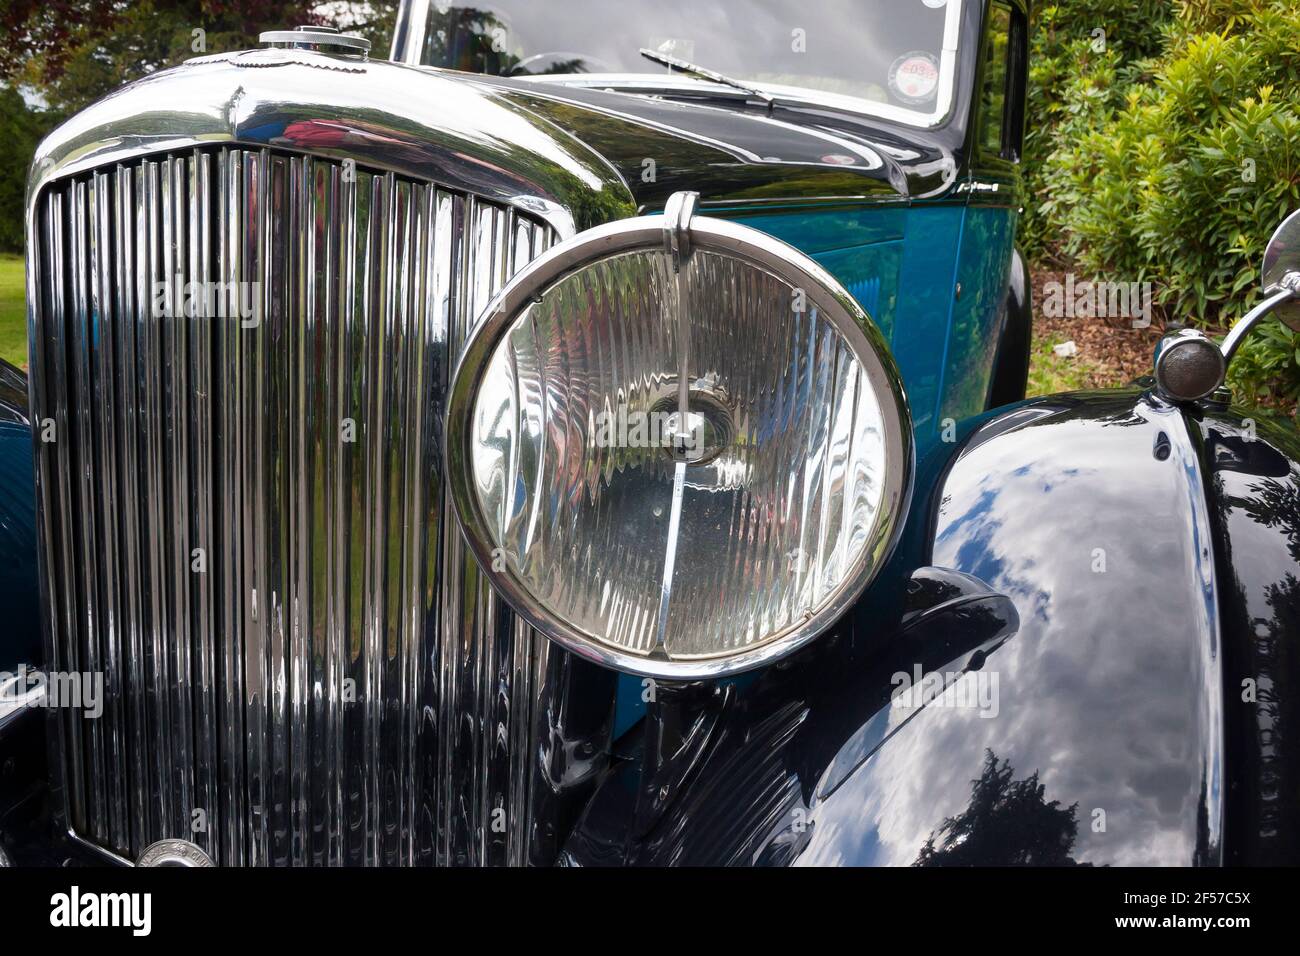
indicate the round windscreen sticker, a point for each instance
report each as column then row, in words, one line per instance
column 914, row 77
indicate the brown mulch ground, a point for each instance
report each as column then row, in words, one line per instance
column 1111, row 352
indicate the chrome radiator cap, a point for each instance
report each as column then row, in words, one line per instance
column 325, row 39
column 174, row 853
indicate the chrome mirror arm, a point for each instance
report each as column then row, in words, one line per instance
column 1285, row 289
column 1190, row 367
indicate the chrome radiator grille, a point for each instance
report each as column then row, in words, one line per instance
column 243, row 518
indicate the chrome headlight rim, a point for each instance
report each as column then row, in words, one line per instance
column 647, row 234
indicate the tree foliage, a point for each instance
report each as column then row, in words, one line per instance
column 74, row 53
column 1008, row 822
column 21, row 128
column 65, row 55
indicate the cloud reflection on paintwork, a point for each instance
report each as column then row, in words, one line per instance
column 1104, row 690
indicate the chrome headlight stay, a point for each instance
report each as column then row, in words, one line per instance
column 678, row 446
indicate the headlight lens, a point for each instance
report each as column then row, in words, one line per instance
column 671, row 541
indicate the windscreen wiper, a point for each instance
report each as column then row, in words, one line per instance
column 694, row 69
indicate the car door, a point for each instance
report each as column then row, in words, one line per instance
column 993, row 202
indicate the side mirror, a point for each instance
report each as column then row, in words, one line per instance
column 1190, row 367
column 1280, row 258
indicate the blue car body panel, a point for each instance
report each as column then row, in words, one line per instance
column 903, row 264
column 20, row 636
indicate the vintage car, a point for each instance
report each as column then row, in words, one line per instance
column 599, row 436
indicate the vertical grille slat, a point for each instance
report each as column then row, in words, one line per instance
column 415, row 483
column 56, row 461
column 342, row 297
column 152, row 528
column 176, row 568
column 277, row 477
column 302, row 419
column 244, row 354
column 227, row 559
column 351, row 534
column 449, row 729
column 202, row 477
column 106, row 311
column 313, row 767
column 378, row 277
column 434, row 744
column 395, row 348
column 88, row 552
column 127, row 317
column 251, row 410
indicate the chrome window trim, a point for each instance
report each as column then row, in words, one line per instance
column 764, row 252
column 408, row 32
column 413, row 16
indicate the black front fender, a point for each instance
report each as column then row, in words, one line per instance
column 1076, row 608
column 1254, row 492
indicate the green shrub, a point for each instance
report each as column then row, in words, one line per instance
column 1063, row 38
column 21, row 128
column 1175, row 168
column 1266, row 369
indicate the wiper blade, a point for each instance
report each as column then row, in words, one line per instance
column 694, row 69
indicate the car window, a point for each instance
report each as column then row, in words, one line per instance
column 993, row 94
column 895, row 58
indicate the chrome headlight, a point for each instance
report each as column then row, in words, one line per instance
column 678, row 445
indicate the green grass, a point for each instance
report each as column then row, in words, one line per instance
column 13, row 311
column 1049, row 373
